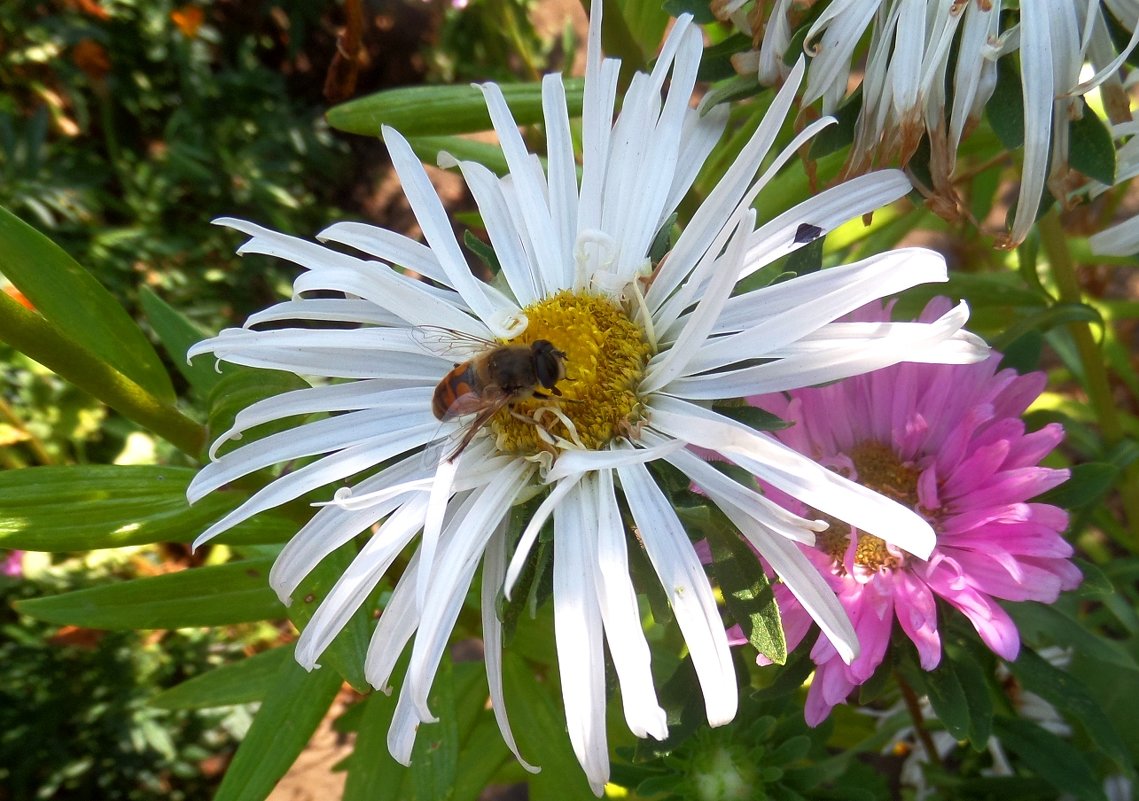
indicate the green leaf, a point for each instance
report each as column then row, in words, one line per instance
column 974, row 681
column 1065, row 692
column 752, row 416
column 77, row 305
column 487, row 154
column 372, row 773
column 293, row 707
column 540, row 729
column 647, row 21
column 700, row 10
column 435, row 755
column 1051, row 758
column 84, row 507
column 237, row 592
column 947, row 697
column 177, row 333
column 1091, row 150
column 737, row 87
column 1088, row 484
column 747, row 592
column 835, row 137
column 1047, row 319
column 1040, row 621
column 1005, row 109
column 240, row 387
column 243, row 682
column 347, row 652
column 443, row 110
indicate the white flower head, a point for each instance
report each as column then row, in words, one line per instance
column 906, row 72
column 648, row 351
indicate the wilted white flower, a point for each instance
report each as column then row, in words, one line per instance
column 648, row 350
column 906, row 75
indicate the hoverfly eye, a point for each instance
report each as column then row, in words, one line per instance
column 547, row 367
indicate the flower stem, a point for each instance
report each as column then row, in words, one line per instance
column 33, row 442
column 1096, row 380
column 31, row 334
column 913, row 706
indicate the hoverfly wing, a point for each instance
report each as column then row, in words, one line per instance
column 450, row 344
column 483, row 407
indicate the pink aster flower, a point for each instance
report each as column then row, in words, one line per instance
column 948, row 442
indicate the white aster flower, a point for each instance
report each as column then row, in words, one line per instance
column 649, row 350
column 906, row 77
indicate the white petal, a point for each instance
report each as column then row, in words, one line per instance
column 493, row 571
column 795, row 474
column 573, row 462
column 397, row 623
column 338, row 310
column 618, row 603
column 1118, row 240
column 441, row 490
column 1037, row 82
column 803, row 580
column 530, row 534
column 391, row 247
column 563, row 172
column 460, row 551
column 437, row 231
column 531, row 192
column 816, row 360
column 577, row 632
column 358, row 581
column 332, row 526
column 709, row 218
column 687, row 588
column 344, row 463
column 357, row 395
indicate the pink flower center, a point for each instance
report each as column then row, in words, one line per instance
column 877, row 467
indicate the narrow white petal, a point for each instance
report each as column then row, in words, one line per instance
column 505, row 237
column 1118, row 240
column 397, row 623
column 332, row 526
column 1038, row 87
column 493, row 572
column 441, row 490
column 795, row 474
column 708, row 309
column 357, row 395
column 330, row 434
column 576, row 462
column 357, row 582
column 531, row 191
column 687, row 588
column 619, row 609
column 577, row 633
column 802, row 578
column 530, row 534
column 816, row 360
column 722, row 488
column 563, row 173
column 437, row 231
column 460, row 551
column 724, row 198
column 342, row 464
column 391, row 247
column 791, row 309
column 338, row 310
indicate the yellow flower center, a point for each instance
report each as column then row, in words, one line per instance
column 878, row 468
column 606, row 355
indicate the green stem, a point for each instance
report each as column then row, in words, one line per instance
column 33, row 442
column 1096, row 380
column 913, row 706
column 31, row 334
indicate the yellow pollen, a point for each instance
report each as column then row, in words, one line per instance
column 878, row 468
column 606, row 356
